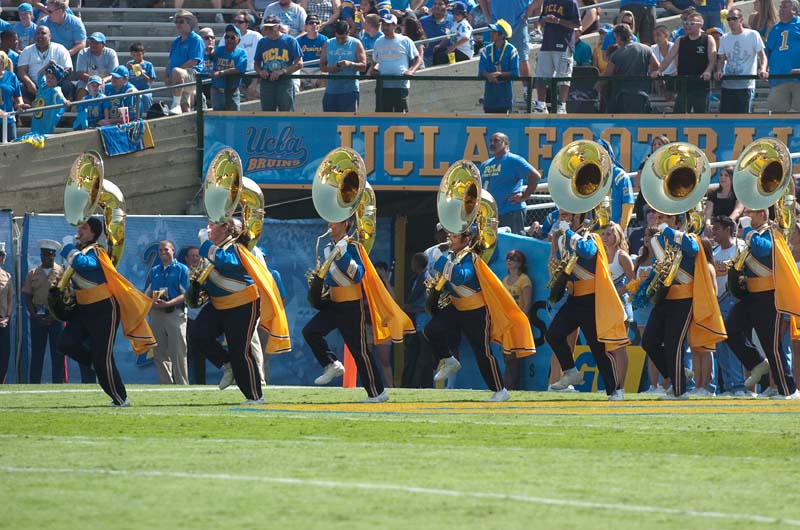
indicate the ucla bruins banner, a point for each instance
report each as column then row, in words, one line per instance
column 413, row 152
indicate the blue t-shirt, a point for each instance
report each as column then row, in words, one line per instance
column 190, row 48
column 336, row 52
column 45, row 121
column 783, row 43
column 9, row 89
column 174, row 278
column 367, row 41
column 14, row 56
column 512, row 11
column 113, row 105
column 498, row 96
column 4, row 25
column 555, row 37
column 275, row 54
column 582, row 54
column 138, row 80
column 311, row 48
column 89, row 114
column 435, row 29
column 27, row 36
column 69, row 33
column 223, row 60
column 609, row 40
column 503, row 177
column 621, row 192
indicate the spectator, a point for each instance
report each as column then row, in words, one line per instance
column 8, row 44
column 516, row 14
column 642, row 269
column 167, row 285
column 185, row 61
column 498, row 65
column 34, row 59
column 25, row 28
column 783, row 43
column 723, row 201
column 740, row 52
column 65, row 29
column 119, row 85
column 90, row 114
column 413, row 30
column 6, row 309
column 677, row 7
column 196, row 359
column 561, row 19
column 277, row 57
column 326, row 11
column 245, row 6
column 439, row 23
column 418, row 366
column 622, row 196
column 209, row 43
column 629, row 59
column 696, row 55
column 583, row 53
column 142, row 74
column 620, row 265
column 590, row 18
column 503, row 174
column 599, row 58
column 45, row 122
column 394, row 54
column 609, row 41
column 248, row 42
column 215, row 4
column 10, row 96
column 311, row 43
column 710, row 9
column 680, row 31
column 660, row 50
column 371, row 32
column 636, row 237
column 43, row 326
column 290, row 15
column 342, row 56
column 228, row 65
column 97, row 60
column 519, row 285
column 763, row 17
column 461, row 43
column 644, row 15
column 384, row 350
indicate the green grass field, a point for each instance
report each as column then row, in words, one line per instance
column 317, row 458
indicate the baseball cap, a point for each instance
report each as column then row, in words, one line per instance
column 502, row 26
column 119, row 71
column 459, row 8
column 25, row 7
column 712, row 31
column 606, row 28
column 97, row 37
column 312, row 18
column 389, row 18
column 270, row 20
column 94, row 79
column 233, row 28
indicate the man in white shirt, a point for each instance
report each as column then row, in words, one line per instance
column 741, row 50
column 394, row 54
column 291, row 16
column 34, row 58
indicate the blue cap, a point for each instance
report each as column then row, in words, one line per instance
column 459, row 8
column 98, row 37
column 606, row 28
column 119, row 71
column 25, row 7
column 94, row 79
column 231, row 27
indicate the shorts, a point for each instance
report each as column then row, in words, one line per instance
column 191, row 75
column 520, row 39
column 554, row 64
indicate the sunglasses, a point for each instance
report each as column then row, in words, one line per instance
column 512, row 258
column 208, row 37
column 239, row 21
column 692, row 23
column 730, row 19
column 181, row 21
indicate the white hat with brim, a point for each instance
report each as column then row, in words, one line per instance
column 49, row 244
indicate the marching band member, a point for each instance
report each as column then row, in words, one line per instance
column 104, row 299
column 481, row 317
column 351, row 276
column 241, row 290
column 773, row 289
column 592, row 305
column 689, row 310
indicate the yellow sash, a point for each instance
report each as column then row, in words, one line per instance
column 388, row 320
column 133, row 305
column 707, row 327
column 609, row 313
column 273, row 315
column 510, row 327
column 787, row 282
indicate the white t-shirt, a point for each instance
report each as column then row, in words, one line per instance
column 722, row 255
column 672, row 69
column 35, row 60
column 248, row 43
column 464, row 30
column 292, row 16
column 741, row 52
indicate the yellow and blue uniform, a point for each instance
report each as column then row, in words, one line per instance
column 345, row 312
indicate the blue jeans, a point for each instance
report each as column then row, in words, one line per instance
column 730, row 366
column 736, row 100
column 218, row 101
column 277, row 95
column 514, row 220
column 11, row 127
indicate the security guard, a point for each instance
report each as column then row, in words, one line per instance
column 773, row 289
column 105, row 298
column 43, row 325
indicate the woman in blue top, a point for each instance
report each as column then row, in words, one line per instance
column 10, row 95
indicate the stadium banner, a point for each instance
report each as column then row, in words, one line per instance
column 414, row 151
column 289, row 247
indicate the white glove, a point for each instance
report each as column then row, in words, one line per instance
column 68, row 240
column 662, row 227
column 202, row 235
column 744, row 222
column 563, row 226
column 341, row 247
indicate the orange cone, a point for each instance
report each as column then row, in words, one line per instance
column 350, row 370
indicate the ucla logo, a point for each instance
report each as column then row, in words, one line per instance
column 39, row 102
column 268, row 151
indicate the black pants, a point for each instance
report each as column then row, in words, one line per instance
column 195, row 355
column 757, row 311
column 476, row 325
column 579, row 312
column 5, row 351
column 418, row 365
column 694, row 101
column 39, row 338
column 238, row 324
column 393, row 100
column 664, row 337
column 349, row 319
column 98, row 323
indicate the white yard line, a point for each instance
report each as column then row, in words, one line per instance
column 398, row 488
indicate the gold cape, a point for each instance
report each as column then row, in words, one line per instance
column 134, row 306
column 609, row 313
column 510, row 326
column 388, row 320
column 707, row 327
column 273, row 315
column 787, row 282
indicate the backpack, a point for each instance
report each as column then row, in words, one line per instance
column 158, row 110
